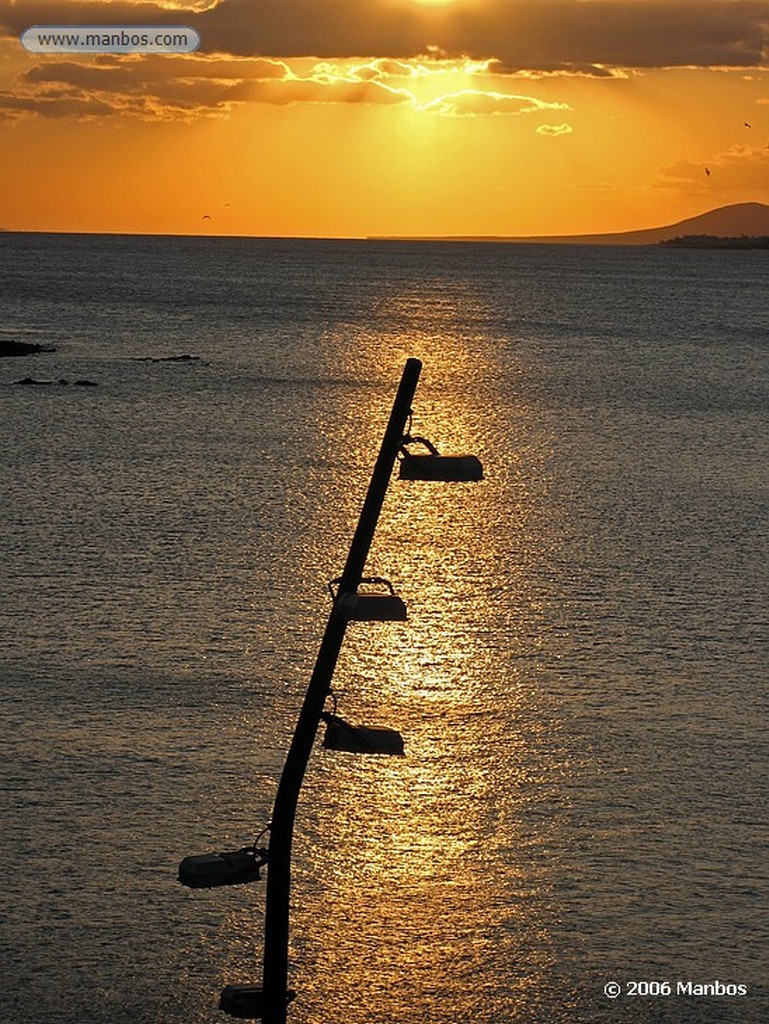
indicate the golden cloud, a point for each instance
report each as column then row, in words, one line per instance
column 555, row 129
column 185, row 87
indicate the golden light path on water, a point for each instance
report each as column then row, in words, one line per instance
column 420, row 882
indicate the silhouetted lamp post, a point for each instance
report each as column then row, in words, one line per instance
column 354, row 598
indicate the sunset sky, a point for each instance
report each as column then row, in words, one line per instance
column 388, row 117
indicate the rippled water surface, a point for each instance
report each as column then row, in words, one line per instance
column 581, row 683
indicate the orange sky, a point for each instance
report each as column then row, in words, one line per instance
column 359, row 117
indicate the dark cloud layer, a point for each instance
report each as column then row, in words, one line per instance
column 151, row 87
column 521, row 34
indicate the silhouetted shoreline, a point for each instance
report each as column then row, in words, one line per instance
column 718, row 242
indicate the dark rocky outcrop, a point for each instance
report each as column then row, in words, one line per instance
column 22, row 348
column 61, row 382
column 167, row 359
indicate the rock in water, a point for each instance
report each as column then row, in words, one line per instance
column 21, row 348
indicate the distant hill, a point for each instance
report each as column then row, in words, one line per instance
column 738, row 219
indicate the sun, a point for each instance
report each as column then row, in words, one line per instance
column 435, row 4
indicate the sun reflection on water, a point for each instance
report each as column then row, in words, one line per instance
column 411, row 868
column 422, row 877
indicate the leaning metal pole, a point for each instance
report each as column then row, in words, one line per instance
column 275, row 976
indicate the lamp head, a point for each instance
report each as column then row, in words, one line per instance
column 360, row 739
column 210, row 870
column 437, row 467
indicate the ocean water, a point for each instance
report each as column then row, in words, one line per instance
column 581, row 683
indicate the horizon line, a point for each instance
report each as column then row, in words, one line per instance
column 594, row 237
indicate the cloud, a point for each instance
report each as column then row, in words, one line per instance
column 520, row 33
column 187, row 87
column 555, row 129
column 65, row 104
column 449, row 61
column 134, row 74
column 545, row 35
column 471, row 102
column 149, row 88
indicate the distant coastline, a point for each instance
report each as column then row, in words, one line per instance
column 737, row 220
column 717, row 242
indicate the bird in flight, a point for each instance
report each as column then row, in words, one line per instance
column 707, row 171
column 206, row 216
